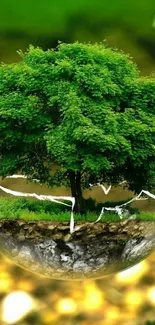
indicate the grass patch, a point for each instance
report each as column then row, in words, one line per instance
column 23, row 208
column 146, row 216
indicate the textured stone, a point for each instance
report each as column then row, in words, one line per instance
column 21, row 222
column 50, row 227
column 14, row 252
column 87, row 253
column 141, row 228
column 124, row 222
column 138, row 249
column 136, row 227
column 113, row 228
column 63, row 227
column 67, row 237
column 21, row 237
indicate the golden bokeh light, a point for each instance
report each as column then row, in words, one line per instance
column 5, row 282
column 66, row 306
column 15, row 306
column 132, row 274
column 112, row 313
column 134, row 299
column 94, row 298
column 127, row 298
column 151, row 295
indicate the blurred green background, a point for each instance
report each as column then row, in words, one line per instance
column 127, row 25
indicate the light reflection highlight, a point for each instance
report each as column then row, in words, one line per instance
column 15, row 306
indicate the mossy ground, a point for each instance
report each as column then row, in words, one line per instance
column 27, row 209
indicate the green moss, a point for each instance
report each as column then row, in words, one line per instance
column 23, row 208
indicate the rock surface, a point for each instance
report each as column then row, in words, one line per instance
column 93, row 251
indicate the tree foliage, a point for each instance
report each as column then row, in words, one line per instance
column 83, row 108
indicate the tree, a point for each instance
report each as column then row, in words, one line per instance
column 82, row 107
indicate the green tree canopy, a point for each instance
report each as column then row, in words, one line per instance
column 82, row 107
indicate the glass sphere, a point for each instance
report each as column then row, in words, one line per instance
column 93, row 250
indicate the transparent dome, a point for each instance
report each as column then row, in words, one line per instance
column 75, row 250
column 92, row 251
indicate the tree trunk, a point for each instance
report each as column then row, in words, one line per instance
column 75, row 182
column 79, row 193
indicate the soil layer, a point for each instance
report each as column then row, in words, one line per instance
column 92, row 251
